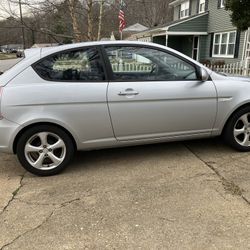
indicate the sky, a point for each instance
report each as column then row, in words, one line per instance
column 4, row 7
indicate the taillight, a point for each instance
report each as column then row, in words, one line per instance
column 1, row 93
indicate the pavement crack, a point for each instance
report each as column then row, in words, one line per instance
column 69, row 202
column 229, row 186
column 14, row 193
column 41, row 224
column 47, row 204
column 28, row 231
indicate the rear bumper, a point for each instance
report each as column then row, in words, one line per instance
column 8, row 130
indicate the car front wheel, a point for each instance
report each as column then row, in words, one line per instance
column 45, row 150
column 237, row 130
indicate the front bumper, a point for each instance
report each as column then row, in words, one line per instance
column 8, row 131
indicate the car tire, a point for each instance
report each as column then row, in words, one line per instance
column 237, row 130
column 45, row 150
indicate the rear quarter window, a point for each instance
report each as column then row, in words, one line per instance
column 75, row 65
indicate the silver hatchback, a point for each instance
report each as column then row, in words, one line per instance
column 111, row 94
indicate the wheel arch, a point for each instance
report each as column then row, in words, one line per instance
column 17, row 137
column 235, row 111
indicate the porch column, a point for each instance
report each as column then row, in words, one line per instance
column 166, row 38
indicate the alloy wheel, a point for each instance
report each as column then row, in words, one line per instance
column 242, row 130
column 45, row 151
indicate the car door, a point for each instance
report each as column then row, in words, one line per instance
column 155, row 93
column 67, row 88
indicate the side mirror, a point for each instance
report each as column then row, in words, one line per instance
column 204, row 76
column 1, row 72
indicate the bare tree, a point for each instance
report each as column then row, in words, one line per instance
column 90, row 19
column 148, row 12
column 77, row 20
column 72, row 9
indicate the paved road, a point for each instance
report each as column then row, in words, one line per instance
column 192, row 195
column 6, row 64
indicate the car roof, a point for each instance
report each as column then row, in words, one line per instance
column 49, row 50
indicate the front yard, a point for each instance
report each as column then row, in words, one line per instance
column 4, row 56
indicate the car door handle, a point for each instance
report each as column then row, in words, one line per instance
column 128, row 92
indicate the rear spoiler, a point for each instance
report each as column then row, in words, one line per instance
column 31, row 52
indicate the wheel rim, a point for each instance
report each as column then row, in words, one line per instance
column 242, row 130
column 45, row 151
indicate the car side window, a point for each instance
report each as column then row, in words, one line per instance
column 147, row 64
column 75, row 65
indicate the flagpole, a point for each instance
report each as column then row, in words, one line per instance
column 121, row 17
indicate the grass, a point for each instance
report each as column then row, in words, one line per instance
column 4, row 56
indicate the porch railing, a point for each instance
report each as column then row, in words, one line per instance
column 232, row 68
column 140, row 67
column 131, row 67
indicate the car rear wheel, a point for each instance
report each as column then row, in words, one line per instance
column 45, row 150
column 237, row 130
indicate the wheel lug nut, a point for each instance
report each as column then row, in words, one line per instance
column 40, row 151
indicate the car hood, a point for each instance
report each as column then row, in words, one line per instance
column 239, row 78
column 223, row 76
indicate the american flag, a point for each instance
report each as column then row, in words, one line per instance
column 122, row 24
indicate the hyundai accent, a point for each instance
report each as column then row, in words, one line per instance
column 111, row 94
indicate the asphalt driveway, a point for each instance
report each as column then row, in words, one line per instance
column 192, row 195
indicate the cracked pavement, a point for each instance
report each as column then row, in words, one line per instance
column 191, row 195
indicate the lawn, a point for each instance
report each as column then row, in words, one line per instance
column 4, row 56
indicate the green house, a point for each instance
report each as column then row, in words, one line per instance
column 201, row 29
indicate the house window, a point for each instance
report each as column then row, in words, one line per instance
column 202, row 6
column 222, row 3
column 184, row 11
column 224, row 44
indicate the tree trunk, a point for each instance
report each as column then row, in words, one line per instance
column 90, row 19
column 72, row 9
column 100, row 20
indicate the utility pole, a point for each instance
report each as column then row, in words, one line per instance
column 21, row 18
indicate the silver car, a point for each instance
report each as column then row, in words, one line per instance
column 111, row 94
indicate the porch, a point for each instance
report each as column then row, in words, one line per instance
column 186, row 44
column 188, row 36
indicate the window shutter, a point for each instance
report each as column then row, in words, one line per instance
column 211, row 44
column 206, row 5
column 219, row 3
column 179, row 11
column 198, row 6
column 237, row 45
column 190, row 8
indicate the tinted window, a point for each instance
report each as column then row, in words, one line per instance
column 76, row 65
column 146, row 64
